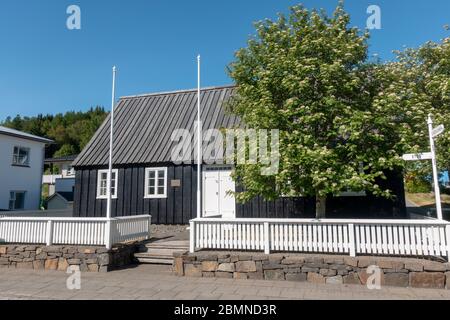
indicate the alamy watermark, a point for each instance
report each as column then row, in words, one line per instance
column 229, row 146
column 73, row 22
column 73, row 282
column 374, row 20
column 374, row 280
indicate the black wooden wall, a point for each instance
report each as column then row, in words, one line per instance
column 178, row 208
column 180, row 205
column 337, row 207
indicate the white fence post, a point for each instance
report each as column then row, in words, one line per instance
column 266, row 238
column 149, row 225
column 108, row 243
column 49, row 233
column 351, row 231
column 447, row 236
column 192, row 236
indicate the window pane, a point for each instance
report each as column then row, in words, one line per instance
column 160, row 190
column 151, row 174
column 151, row 190
column 20, row 200
column 160, row 182
column 151, row 182
column 161, row 174
column 23, row 155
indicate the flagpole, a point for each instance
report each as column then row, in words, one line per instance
column 110, row 164
column 437, row 192
column 199, row 141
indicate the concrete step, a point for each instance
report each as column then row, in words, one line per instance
column 168, row 245
column 163, row 251
column 154, row 257
column 154, row 260
column 160, row 252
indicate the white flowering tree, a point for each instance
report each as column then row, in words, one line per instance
column 305, row 75
column 418, row 84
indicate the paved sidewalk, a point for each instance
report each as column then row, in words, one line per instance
column 157, row 282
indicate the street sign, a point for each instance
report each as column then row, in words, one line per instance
column 417, row 156
column 437, row 131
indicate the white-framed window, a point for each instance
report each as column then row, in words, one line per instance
column 155, row 183
column 17, row 200
column 21, row 156
column 102, row 182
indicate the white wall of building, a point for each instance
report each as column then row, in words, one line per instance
column 15, row 178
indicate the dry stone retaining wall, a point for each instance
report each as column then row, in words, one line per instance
column 39, row 257
column 399, row 272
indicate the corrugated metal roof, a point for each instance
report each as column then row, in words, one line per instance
column 144, row 125
column 23, row 135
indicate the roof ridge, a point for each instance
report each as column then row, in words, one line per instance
column 177, row 91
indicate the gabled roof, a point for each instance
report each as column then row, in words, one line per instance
column 19, row 134
column 143, row 125
column 67, row 196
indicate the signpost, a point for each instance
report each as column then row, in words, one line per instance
column 418, row 156
column 433, row 133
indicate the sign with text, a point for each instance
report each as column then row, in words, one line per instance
column 417, row 156
column 437, row 131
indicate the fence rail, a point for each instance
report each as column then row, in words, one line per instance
column 377, row 237
column 74, row 231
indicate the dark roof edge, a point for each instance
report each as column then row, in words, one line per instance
column 61, row 159
column 178, row 91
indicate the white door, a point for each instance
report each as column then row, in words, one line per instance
column 216, row 201
column 227, row 201
column 210, row 194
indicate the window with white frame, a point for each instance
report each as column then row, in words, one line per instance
column 155, row 183
column 16, row 200
column 21, row 156
column 102, row 184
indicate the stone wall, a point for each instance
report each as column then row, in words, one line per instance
column 400, row 272
column 39, row 257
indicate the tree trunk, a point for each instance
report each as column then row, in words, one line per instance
column 321, row 203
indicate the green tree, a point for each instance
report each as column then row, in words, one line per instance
column 70, row 131
column 418, row 84
column 306, row 75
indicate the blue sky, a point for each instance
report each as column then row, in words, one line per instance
column 46, row 68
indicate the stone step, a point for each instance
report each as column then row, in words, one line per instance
column 162, row 252
column 152, row 255
column 183, row 245
column 158, row 255
column 155, row 260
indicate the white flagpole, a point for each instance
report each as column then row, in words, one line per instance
column 199, row 142
column 109, row 180
column 437, row 192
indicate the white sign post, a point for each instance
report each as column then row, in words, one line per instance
column 433, row 133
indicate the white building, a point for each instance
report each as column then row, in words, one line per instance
column 64, row 180
column 21, row 168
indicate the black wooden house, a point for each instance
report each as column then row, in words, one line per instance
column 146, row 181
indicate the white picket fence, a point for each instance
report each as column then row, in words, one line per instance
column 74, row 231
column 374, row 237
